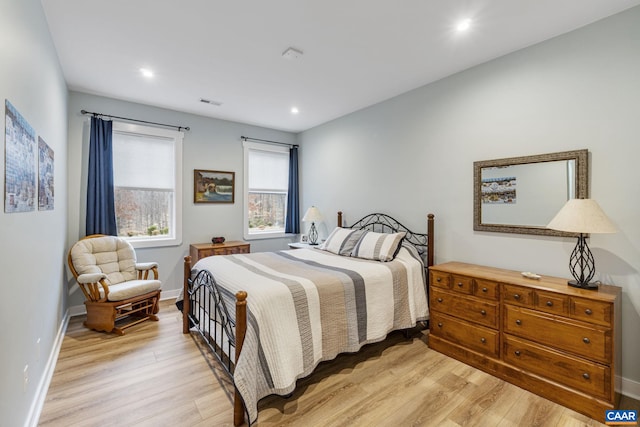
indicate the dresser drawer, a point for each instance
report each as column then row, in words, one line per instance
column 486, row 289
column 439, row 279
column 462, row 284
column 583, row 375
column 591, row 311
column 518, row 295
column 465, row 334
column 552, row 302
column 592, row 343
column 467, row 308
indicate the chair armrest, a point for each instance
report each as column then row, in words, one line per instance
column 91, row 278
column 142, row 266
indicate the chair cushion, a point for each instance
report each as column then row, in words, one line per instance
column 110, row 255
column 130, row 289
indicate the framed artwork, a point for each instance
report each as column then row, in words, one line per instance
column 213, row 186
column 20, row 162
column 304, row 238
column 45, row 176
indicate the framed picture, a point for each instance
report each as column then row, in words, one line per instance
column 304, row 238
column 213, row 186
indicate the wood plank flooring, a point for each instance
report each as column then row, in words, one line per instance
column 156, row 376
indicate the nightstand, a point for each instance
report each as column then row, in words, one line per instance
column 300, row 245
column 198, row 251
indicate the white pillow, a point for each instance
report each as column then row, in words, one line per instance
column 378, row 246
column 341, row 241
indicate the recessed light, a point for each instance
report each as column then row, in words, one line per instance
column 463, row 25
column 294, row 110
column 146, row 72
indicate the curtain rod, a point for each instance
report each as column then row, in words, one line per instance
column 246, row 138
column 134, row 120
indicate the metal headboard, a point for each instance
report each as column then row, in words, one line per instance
column 383, row 223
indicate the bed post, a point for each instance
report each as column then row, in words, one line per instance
column 241, row 329
column 186, row 303
column 339, row 218
column 430, row 247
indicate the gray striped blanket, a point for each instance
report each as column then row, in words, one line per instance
column 305, row 306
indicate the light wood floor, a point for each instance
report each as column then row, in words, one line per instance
column 156, row 376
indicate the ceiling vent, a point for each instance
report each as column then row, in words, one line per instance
column 208, row 101
column 292, row 53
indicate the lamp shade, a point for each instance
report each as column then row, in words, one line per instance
column 581, row 216
column 312, row 215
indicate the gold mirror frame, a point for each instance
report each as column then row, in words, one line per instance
column 581, row 158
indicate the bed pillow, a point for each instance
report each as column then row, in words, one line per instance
column 378, row 246
column 341, row 241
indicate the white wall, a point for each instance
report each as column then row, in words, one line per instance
column 33, row 248
column 414, row 154
column 210, row 144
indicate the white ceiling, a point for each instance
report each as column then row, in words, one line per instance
column 356, row 52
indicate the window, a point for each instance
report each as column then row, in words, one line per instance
column 266, row 183
column 147, row 177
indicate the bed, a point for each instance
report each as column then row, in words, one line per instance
column 270, row 318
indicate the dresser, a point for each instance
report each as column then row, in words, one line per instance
column 198, row 251
column 557, row 341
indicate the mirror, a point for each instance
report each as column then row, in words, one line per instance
column 522, row 194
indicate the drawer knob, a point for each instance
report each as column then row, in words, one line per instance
column 517, row 353
column 439, row 299
column 439, row 324
column 586, row 376
column 516, row 296
column 485, row 290
column 483, row 340
column 549, row 303
column 518, row 322
column 588, row 312
column 586, row 340
column 439, row 279
column 483, row 312
column 460, row 284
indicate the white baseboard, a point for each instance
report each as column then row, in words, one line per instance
column 43, row 386
column 631, row 388
column 79, row 310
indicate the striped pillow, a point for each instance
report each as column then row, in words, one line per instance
column 341, row 241
column 378, row 246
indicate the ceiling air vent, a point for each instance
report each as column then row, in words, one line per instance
column 208, row 101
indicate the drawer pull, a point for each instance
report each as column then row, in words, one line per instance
column 586, row 376
column 518, row 322
column 439, row 279
column 586, row 340
column 483, row 312
column 485, row 290
column 439, row 299
column 517, row 353
column 439, row 324
column 483, row 340
column 460, row 284
column 516, row 296
column 588, row 312
column 549, row 303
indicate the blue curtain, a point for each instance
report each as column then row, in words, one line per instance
column 101, row 211
column 292, row 223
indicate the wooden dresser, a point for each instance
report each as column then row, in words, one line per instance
column 560, row 342
column 201, row 250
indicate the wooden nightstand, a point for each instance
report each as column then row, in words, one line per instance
column 198, row 251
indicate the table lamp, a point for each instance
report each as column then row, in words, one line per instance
column 313, row 215
column 582, row 216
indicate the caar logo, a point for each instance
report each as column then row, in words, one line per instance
column 621, row 417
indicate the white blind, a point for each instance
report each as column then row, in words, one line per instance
column 143, row 161
column 268, row 170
